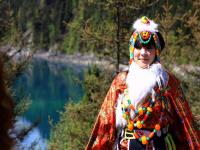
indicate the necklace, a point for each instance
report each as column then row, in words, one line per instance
column 138, row 123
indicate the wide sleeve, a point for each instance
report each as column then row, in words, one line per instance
column 184, row 127
column 104, row 131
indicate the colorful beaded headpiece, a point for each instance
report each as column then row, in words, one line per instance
column 145, row 30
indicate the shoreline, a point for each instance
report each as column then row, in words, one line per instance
column 182, row 71
column 82, row 59
column 17, row 54
column 78, row 59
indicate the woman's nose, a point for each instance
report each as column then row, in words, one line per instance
column 143, row 51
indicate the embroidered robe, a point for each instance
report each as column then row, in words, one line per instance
column 179, row 118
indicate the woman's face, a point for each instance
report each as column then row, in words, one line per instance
column 144, row 56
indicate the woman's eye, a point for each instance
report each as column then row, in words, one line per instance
column 138, row 46
column 149, row 47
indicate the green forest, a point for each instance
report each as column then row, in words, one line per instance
column 101, row 28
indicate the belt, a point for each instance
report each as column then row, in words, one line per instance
column 130, row 134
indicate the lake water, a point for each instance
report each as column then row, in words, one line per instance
column 50, row 86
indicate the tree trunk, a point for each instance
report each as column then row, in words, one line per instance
column 118, row 37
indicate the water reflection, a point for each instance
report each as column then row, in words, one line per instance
column 50, row 86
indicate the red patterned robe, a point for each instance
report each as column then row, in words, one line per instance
column 178, row 116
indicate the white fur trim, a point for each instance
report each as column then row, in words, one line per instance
column 120, row 121
column 140, row 26
column 140, row 83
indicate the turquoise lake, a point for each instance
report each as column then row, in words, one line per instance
column 49, row 86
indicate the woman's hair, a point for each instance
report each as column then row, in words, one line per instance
column 161, row 40
column 6, row 111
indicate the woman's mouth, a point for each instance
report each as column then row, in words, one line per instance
column 143, row 59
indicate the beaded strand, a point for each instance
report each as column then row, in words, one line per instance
column 127, row 106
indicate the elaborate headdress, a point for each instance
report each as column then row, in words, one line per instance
column 144, row 30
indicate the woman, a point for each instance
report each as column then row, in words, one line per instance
column 145, row 107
